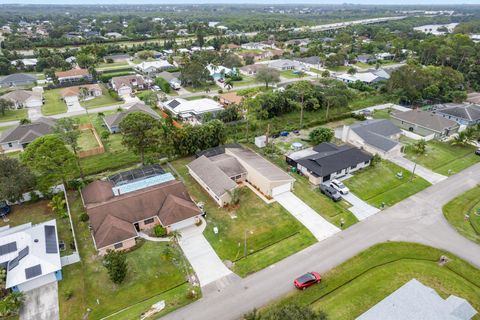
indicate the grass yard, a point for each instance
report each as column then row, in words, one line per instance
column 275, row 234
column 381, row 114
column 289, row 74
column 328, row 209
column 246, row 80
column 358, row 284
column 442, row 157
column 379, row 184
column 455, row 211
column 151, row 278
column 37, row 212
column 53, row 102
column 368, row 100
column 86, row 140
column 212, row 87
column 12, row 115
column 112, row 65
column 339, row 68
column 104, row 100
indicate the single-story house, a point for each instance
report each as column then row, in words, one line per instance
column 73, row 75
column 256, row 46
column 219, row 175
column 298, row 42
column 18, row 79
column 129, row 202
column 328, row 161
column 374, row 136
column 366, row 58
column 425, row 123
column 254, row 55
column 192, row 111
column 252, row 69
column 415, row 301
column 217, row 72
column 83, row 92
column 117, row 57
column 24, row 98
column 230, row 98
column 173, row 78
column 310, row 62
column 263, row 175
column 463, row 113
column 17, row 138
column 28, row 63
column 385, row 56
column 284, row 64
column 30, row 254
column 113, row 121
column 230, row 46
column 125, row 85
column 153, row 67
column 368, row 77
column 114, row 35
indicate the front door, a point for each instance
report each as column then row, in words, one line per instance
column 137, row 227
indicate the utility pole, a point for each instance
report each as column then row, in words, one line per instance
column 268, row 134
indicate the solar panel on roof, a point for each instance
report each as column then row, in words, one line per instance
column 34, row 271
column 173, row 104
column 13, row 263
column 51, row 239
column 23, row 253
column 8, row 248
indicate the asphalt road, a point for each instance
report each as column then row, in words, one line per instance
column 416, row 219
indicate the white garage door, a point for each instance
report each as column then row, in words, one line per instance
column 183, row 224
column 280, row 189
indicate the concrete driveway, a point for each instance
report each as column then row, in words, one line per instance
column 314, row 222
column 423, row 172
column 41, row 303
column 359, row 208
column 204, row 260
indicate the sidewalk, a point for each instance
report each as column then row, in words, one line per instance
column 423, row 172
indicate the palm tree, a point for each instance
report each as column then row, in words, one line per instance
column 10, row 305
column 57, row 204
column 175, row 236
column 461, row 139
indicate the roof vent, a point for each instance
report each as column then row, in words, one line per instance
column 36, row 240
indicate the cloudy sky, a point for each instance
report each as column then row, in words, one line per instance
column 383, row 2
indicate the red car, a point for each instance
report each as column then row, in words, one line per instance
column 307, row 280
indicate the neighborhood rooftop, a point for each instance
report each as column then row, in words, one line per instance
column 376, row 133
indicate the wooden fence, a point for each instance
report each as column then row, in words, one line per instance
column 94, row 151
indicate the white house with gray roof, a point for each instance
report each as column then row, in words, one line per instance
column 113, row 121
column 415, row 301
column 17, row 79
column 17, row 138
column 374, row 136
column 30, row 254
column 463, row 113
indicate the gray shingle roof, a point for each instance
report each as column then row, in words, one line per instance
column 28, row 132
column 470, row 112
column 377, row 133
column 425, row 119
column 212, row 175
column 115, row 119
column 415, row 301
column 18, row 78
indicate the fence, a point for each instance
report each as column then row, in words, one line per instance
column 415, row 136
column 94, row 151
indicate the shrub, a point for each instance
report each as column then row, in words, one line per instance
column 84, row 217
column 159, row 231
column 220, row 91
column 163, row 84
column 116, row 264
column 319, row 135
column 104, row 135
column 68, row 294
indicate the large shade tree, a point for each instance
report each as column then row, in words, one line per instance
column 15, row 179
column 67, row 130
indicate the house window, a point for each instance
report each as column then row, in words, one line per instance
column 118, row 245
column 148, row 221
column 10, row 145
column 353, row 167
column 366, row 162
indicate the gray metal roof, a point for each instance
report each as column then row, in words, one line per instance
column 377, row 133
column 217, row 180
column 415, row 301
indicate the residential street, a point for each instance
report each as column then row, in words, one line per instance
column 416, row 219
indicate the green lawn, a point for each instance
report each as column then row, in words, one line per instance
column 379, row 184
column 151, row 278
column 112, row 65
column 382, row 114
column 289, row 74
column 367, row 100
column 244, row 82
column 213, row 88
column 12, row 115
column 53, row 102
column 116, row 156
column 37, row 212
column 442, row 157
column 274, row 235
column 339, row 68
column 86, row 140
column 331, row 211
column 455, row 211
column 358, row 284
column 104, row 100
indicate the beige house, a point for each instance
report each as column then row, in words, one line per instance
column 25, row 99
column 125, row 85
column 374, row 136
column 84, row 92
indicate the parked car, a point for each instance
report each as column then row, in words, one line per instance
column 477, row 152
column 156, row 88
column 284, row 134
column 339, row 186
column 330, row 192
column 307, row 280
column 4, row 208
column 175, row 85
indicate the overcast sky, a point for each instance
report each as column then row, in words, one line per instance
column 382, row 2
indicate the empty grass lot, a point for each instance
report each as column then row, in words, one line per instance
column 455, row 211
column 274, row 235
column 37, row 212
column 104, row 100
column 379, row 184
column 443, row 157
column 355, row 286
column 53, row 102
column 86, row 140
column 12, row 115
column 151, row 277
